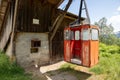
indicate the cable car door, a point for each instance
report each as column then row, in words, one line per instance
column 85, row 46
column 94, row 46
column 76, row 45
column 67, row 45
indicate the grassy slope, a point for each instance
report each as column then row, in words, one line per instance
column 109, row 62
column 10, row 71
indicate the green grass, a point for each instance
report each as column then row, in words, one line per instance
column 67, row 67
column 109, row 49
column 70, row 68
column 109, row 62
column 11, row 71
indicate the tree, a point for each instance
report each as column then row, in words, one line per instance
column 104, row 28
column 106, row 32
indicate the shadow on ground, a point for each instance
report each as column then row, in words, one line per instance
column 62, row 71
column 67, row 74
column 36, row 74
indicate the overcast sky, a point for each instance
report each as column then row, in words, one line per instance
column 98, row 9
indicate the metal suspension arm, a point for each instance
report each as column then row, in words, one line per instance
column 80, row 11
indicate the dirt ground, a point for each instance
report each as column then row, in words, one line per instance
column 52, row 72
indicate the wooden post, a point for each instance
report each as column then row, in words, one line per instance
column 57, row 24
column 13, row 31
column 59, row 21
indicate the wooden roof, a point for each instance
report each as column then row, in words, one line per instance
column 70, row 15
column 55, row 1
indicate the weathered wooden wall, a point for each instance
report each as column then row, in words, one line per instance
column 6, row 27
column 34, row 9
column 58, row 42
column 46, row 12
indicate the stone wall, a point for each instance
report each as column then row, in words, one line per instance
column 23, row 49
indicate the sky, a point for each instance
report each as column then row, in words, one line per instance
column 98, row 9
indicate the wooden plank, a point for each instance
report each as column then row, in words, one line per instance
column 13, row 29
column 34, row 9
column 3, row 17
column 14, row 19
column 58, row 23
column 5, row 29
column 54, row 1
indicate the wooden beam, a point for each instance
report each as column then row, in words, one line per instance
column 15, row 15
column 51, row 29
column 56, row 25
column 3, row 14
column 71, row 18
column 59, row 21
column 54, row 1
column 13, row 29
column 61, row 1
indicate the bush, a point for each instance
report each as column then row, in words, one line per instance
column 10, row 71
column 109, row 62
column 109, row 49
column 67, row 67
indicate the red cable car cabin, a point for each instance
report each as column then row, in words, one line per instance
column 81, row 45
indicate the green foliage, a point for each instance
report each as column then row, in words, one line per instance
column 70, row 68
column 107, row 35
column 109, row 49
column 105, row 28
column 67, row 67
column 11, row 71
column 118, row 42
column 109, row 62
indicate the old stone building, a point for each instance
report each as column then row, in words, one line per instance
column 31, row 31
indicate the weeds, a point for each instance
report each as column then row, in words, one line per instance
column 10, row 71
column 70, row 68
column 109, row 62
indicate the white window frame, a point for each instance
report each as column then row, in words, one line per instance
column 94, row 34
column 77, row 35
column 86, row 34
column 67, row 34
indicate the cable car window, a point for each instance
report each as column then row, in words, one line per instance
column 77, row 35
column 86, row 35
column 67, row 35
column 72, row 35
column 94, row 34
